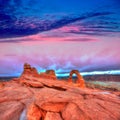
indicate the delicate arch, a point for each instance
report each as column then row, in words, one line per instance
column 79, row 80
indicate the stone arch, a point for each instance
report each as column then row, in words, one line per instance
column 79, row 80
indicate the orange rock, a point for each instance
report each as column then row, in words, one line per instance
column 51, row 73
column 53, row 116
column 33, row 112
column 73, row 112
column 10, row 110
column 79, row 81
column 31, row 71
column 47, row 99
column 53, row 106
column 1, row 85
column 28, row 70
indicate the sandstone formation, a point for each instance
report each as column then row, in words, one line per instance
column 29, row 70
column 32, row 97
column 1, row 85
column 79, row 80
column 49, row 74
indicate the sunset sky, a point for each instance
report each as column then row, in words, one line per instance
column 60, row 35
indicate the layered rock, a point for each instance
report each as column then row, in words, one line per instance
column 1, row 85
column 79, row 80
column 49, row 74
column 38, row 98
column 29, row 70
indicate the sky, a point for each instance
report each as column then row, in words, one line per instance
column 60, row 35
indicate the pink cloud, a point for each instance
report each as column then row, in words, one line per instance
column 69, row 28
column 59, row 53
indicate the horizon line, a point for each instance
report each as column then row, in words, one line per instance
column 107, row 72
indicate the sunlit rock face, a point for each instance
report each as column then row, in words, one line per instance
column 34, row 97
column 79, row 80
column 29, row 70
column 50, row 74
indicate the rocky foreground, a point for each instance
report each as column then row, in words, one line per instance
column 43, row 97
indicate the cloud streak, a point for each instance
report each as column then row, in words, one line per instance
column 12, row 27
column 82, row 40
column 20, row 18
column 79, row 34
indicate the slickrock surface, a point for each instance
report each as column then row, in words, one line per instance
column 35, row 98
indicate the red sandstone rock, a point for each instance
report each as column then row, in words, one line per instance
column 73, row 112
column 29, row 70
column 1, row 85
column 49, row 99
column 47, row 76
column 79, row 81
column 53, row 116
column 51, row 73
column 53, row 106
column 33, row 112
column 10, row 110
